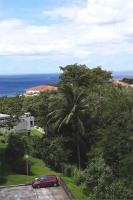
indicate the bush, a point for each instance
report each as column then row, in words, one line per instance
column 67, row 170
column 20, row 167
column 74, row 172
column 3, row 180
column 118, row 190
column 97, row 176
column 78, row 176
column 100, row 184
column 3, row 141
column 126, row 167
column 53, row 152
column 16, row 149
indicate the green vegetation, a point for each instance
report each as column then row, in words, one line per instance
column 36, row 133
column 75, row 190
column 127, row 80
column 2, row 138
column 88, row 137
column 38, row 168
column 2, row 148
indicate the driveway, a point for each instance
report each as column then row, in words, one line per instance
column 28, row 193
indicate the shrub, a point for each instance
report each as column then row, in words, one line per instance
column 17, row 147
column 67, row 170
column 3, row 141
column 97, row 177
column 74, row 172
column 100, row 183
column 126, row 167
column 77, row 175
column 118, row 190
column 19, row 166
column 53, row 152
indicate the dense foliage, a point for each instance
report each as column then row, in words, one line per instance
column 128, row 80
column 89, row 130
column 81, row 75
column 16, row 150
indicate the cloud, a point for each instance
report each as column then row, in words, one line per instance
column 62, row 12
column 19, row 38
column 99, row 27
column 95, row 12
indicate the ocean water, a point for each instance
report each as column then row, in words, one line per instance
column 11, row 85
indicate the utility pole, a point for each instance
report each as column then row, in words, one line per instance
column 27, row 164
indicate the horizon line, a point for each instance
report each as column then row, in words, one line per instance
column 43, row 73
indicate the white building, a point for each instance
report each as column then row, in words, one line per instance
column 24, row 124
column 4, row 117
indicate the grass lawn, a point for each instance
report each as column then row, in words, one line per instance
column 36, row 133
column 38, row 169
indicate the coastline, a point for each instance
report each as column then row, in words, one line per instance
column 12, row 85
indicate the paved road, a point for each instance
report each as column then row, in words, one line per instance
column 28, row 193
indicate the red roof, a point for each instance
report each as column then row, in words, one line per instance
column 120, row 83
column 41, row 88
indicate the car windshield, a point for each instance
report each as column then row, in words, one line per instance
column 41, row 178
column 44, row 178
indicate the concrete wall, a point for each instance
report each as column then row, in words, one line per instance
column 25, row 123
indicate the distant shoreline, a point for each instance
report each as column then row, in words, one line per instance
column 12, row 85
column 121, row 73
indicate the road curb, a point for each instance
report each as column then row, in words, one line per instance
column 62, row 183
column 68, row 192
column 9, row 186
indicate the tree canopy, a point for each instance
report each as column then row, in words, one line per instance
column 81, row 75
column 88, row 127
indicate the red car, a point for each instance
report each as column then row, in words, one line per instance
column 45, row 181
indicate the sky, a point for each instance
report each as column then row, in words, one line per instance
column 38, row 36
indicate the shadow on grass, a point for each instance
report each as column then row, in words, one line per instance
column 6, row 172
column 3, row 180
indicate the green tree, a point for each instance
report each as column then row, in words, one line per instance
column 17, row 147
column 38, row 107
column 68, row 110
column 11, row 105
column 53, row 152
column 127, row 80
column 114, row 131
column 81, row 75
column 100, row 183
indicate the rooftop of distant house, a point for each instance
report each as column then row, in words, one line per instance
column 4, row 116
column 41, row 88
column 122, row 84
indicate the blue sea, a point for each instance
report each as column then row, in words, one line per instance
column 11, row 85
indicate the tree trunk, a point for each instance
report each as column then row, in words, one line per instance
column 78, row 154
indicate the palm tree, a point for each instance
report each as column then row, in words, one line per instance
column 68, row 109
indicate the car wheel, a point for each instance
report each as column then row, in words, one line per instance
column 38, row 186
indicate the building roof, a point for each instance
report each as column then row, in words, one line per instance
column 41, row 88
column 4, row 116
column 120, row 83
